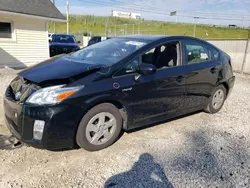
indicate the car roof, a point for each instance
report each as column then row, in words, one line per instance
column 64, row 34
column 157, row 37
column 152, row 38
column 143, row 37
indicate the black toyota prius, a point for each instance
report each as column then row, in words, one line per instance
column 89, row 97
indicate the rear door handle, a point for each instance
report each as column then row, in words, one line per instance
column 214, row 70
column 180, row 79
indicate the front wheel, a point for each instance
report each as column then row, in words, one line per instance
column 99, row 128
column 217, row 99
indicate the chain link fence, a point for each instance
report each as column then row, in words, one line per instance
column 130, row 29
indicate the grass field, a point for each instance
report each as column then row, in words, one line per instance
column 96, row 25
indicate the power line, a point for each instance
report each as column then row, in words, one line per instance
column 139, row 6
column 158, row 11
column 220, row 14
column 163, row 11
column 125, row 7
column 211, row 18
column 179, row 11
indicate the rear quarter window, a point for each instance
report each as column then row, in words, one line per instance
column 214, row 53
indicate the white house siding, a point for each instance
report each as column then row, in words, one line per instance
column 30, row 43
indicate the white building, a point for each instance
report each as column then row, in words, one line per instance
column 24, row 31
column 130, row 15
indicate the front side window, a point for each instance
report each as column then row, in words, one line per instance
column 5, row 30
column 150, row 56
column 163, row 56
column 129, row 68
column 108, row 52
column 196, row 52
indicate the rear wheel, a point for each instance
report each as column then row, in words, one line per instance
column 216, row 100
column 99, row 128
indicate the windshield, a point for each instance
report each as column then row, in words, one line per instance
column 108, row 52
column 63, row 39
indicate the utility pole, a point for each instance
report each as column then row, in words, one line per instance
column 245, row 54
column 67, row 11
column 194, row 29
column 243, row 21
column 176, row 17
column 106, row 30
column 174, row 13
column 54, row 2
column 124, row 29
column 195, row 26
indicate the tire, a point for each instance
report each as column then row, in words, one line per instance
column 92, row 120
column 211, row 107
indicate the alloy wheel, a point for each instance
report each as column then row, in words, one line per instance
column 100, row 128
column 218, row 99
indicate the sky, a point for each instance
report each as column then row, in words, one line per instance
column 232, row 9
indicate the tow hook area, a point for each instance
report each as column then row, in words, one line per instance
column 9, row 142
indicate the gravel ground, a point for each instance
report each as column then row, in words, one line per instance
column 200, row 150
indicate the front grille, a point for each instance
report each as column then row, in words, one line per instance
column 20, row 90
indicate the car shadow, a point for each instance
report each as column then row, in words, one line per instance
column 144, row 173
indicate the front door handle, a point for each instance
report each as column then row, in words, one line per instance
column 180, row 79
column 214, row 70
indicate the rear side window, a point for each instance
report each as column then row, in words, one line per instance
column 95, row 39
column 196, row 52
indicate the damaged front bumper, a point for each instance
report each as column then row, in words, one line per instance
column 61, row 122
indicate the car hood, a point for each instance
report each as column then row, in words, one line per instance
column 54, row 44
column 58, row 68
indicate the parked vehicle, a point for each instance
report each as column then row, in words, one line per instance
column 88, row 97
column 50, row 35
column 63, row 44
column 96, row 39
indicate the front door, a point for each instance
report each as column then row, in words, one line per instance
column 156, row 97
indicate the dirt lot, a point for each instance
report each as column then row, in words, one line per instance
column 201, row 150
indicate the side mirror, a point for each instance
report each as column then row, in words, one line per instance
column 50, row 41
column 146, row 69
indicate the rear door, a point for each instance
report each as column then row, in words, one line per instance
column 202, row 71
